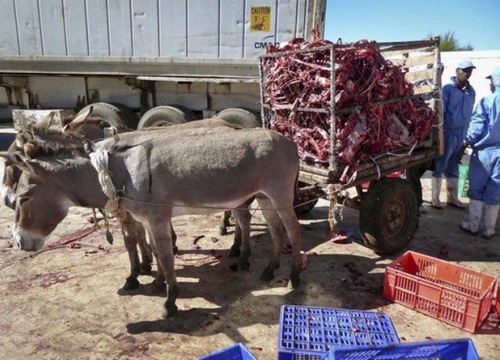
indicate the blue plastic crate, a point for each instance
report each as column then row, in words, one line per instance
column 236, row 352
column 459, row 349
column 308, row 333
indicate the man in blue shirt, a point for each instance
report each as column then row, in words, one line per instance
column 484, row 166
column 458, row 103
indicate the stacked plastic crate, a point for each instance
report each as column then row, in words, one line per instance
column 448, row 292
column 313, row 333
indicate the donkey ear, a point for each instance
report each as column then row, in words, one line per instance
column 30, row 150
column 46, row 121
column 78, row 122
column 23, row 137
column 18, row 160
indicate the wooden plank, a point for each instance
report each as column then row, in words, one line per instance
column 310, row 178
column 421, row 75
column 315, row 169
column 369, row 170
column 416, row 60
column 392, row 53
column 422, row 89
column 409, row 46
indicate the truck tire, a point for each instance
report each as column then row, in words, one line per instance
column 165, row 115
column 117, row 115
column 239, row 116
column 389, row 216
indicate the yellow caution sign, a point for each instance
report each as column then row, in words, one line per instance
column 260, row 19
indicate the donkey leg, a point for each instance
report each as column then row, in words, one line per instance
column 243, row 218
column 277, row 232
column 162, row 239
column 129, row 231
column 292, row 226
column 235, row 248
column 159, row 281
column 145, row 249
column 174, row 240
column 224, row 223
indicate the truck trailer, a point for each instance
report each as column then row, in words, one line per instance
column 193, row 57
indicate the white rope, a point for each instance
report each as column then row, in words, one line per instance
column 99, row 160
column 124, row 199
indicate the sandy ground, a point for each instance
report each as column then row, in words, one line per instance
column 66, row 303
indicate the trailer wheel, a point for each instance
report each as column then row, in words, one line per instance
column 117, row 115
column 307, row 198
column 165, row 115
column 389, row 215
column 239, row 116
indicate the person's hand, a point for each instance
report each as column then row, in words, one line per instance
column 461, row 153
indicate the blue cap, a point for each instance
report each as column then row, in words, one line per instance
column 495, row 73
column 465, row 64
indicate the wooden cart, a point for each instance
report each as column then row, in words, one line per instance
column 388, row 205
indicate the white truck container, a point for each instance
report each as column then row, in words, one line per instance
column 199, row 54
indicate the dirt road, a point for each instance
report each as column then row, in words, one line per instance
column 66, row 303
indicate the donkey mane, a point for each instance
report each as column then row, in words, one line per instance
column 52, row 142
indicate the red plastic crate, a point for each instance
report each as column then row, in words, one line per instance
column 497, row 303
column 451, row 293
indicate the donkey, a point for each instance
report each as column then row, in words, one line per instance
column 76, row 129
column 133, row 231
column 160, row 175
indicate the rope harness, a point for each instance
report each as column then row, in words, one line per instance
column 99, row 160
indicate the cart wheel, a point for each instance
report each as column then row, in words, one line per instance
column 309, row 199
column 389, row 215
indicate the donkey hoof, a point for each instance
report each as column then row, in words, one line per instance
column 131, row 284
column 222, row 231
column 175, row 249
column 170, row 311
